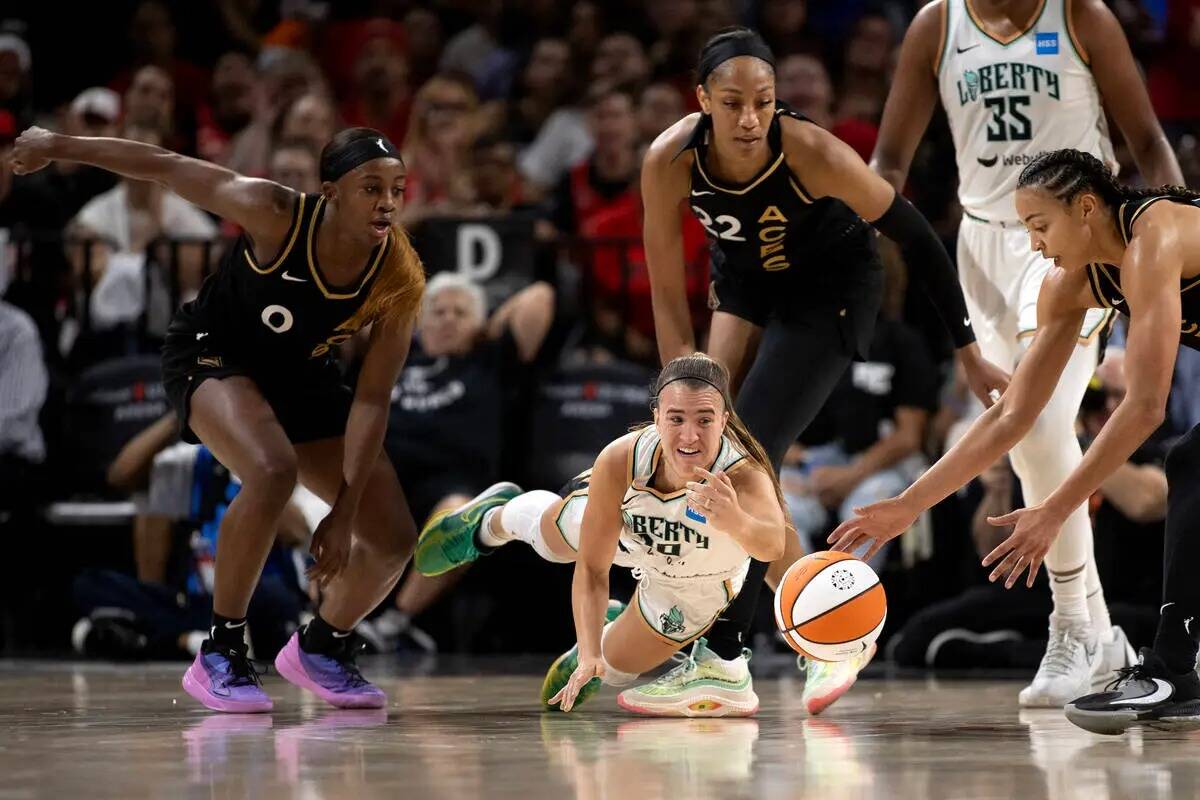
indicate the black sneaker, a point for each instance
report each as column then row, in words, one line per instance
column 1146, row 693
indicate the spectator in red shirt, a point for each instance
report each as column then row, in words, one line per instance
column 609, row 175
column 620, row 284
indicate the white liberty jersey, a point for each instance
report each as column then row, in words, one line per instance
column 1009, row 102
column 661, row 535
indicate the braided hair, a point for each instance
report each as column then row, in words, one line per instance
column 1064, row 174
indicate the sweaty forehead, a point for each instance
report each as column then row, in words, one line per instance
column 678, row 396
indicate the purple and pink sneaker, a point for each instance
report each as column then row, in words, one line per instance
column 335, row 679
column 223, row 679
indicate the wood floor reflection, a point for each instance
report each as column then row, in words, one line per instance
column 106, row 731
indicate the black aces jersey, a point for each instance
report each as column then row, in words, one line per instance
column 283, row 312
column 1105, row 279
column 771, row 225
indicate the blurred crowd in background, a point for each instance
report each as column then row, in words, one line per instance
column 522, row 124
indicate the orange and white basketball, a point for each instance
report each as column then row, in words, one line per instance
column 830, row 606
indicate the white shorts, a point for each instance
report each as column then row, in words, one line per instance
column 1001, row 276
column 676, row 610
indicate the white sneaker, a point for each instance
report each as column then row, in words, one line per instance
column 1115, row 655
column 1072, row 657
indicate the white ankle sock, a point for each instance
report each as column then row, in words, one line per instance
column 521, row 518
column 1097, row 605
column 487, row 535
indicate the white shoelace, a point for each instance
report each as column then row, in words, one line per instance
column 1060, row 653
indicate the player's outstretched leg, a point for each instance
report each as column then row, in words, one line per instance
column 450, row 539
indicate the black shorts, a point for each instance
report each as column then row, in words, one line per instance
column 848, row 286
column 309, row 399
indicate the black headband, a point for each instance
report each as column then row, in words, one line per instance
column 688, row 378
column 355, row 154
column 733, row 47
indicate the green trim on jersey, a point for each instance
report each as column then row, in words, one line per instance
column 1016, row 38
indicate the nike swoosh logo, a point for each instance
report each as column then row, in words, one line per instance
column 967, row 321
column 200, row 336
column 965, row 49
column 1163, row 692
column 1116, row 301
column 337, row 635
column 231, row 626
column 287, row 277
column 700, row 194
column 988, row 162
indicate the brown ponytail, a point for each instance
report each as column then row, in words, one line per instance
column 396, row 291
column 698, row 371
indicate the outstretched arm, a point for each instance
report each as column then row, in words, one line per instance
column 664, row 185
column 262, row 208
column 830, row 168
column 597, row 547
column 1150, row 279
column 992, row 435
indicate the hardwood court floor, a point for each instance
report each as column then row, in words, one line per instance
column 71, row 730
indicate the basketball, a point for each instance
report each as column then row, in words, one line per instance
column 830, row 606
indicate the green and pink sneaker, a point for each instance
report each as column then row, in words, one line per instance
column 702, row 685
column 448, row 540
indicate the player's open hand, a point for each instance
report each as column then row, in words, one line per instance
column 875, row 524
column 330, row 546
column 715, row 499
column 1035, row 530
column 587, row 670
column 33, row 150
column 987, row 381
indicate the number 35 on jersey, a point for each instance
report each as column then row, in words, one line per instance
column 772, row 231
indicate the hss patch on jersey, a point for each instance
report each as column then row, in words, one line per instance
column 1009, row 100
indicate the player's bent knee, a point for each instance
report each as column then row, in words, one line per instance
column 273, row 472
column 612, row 675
